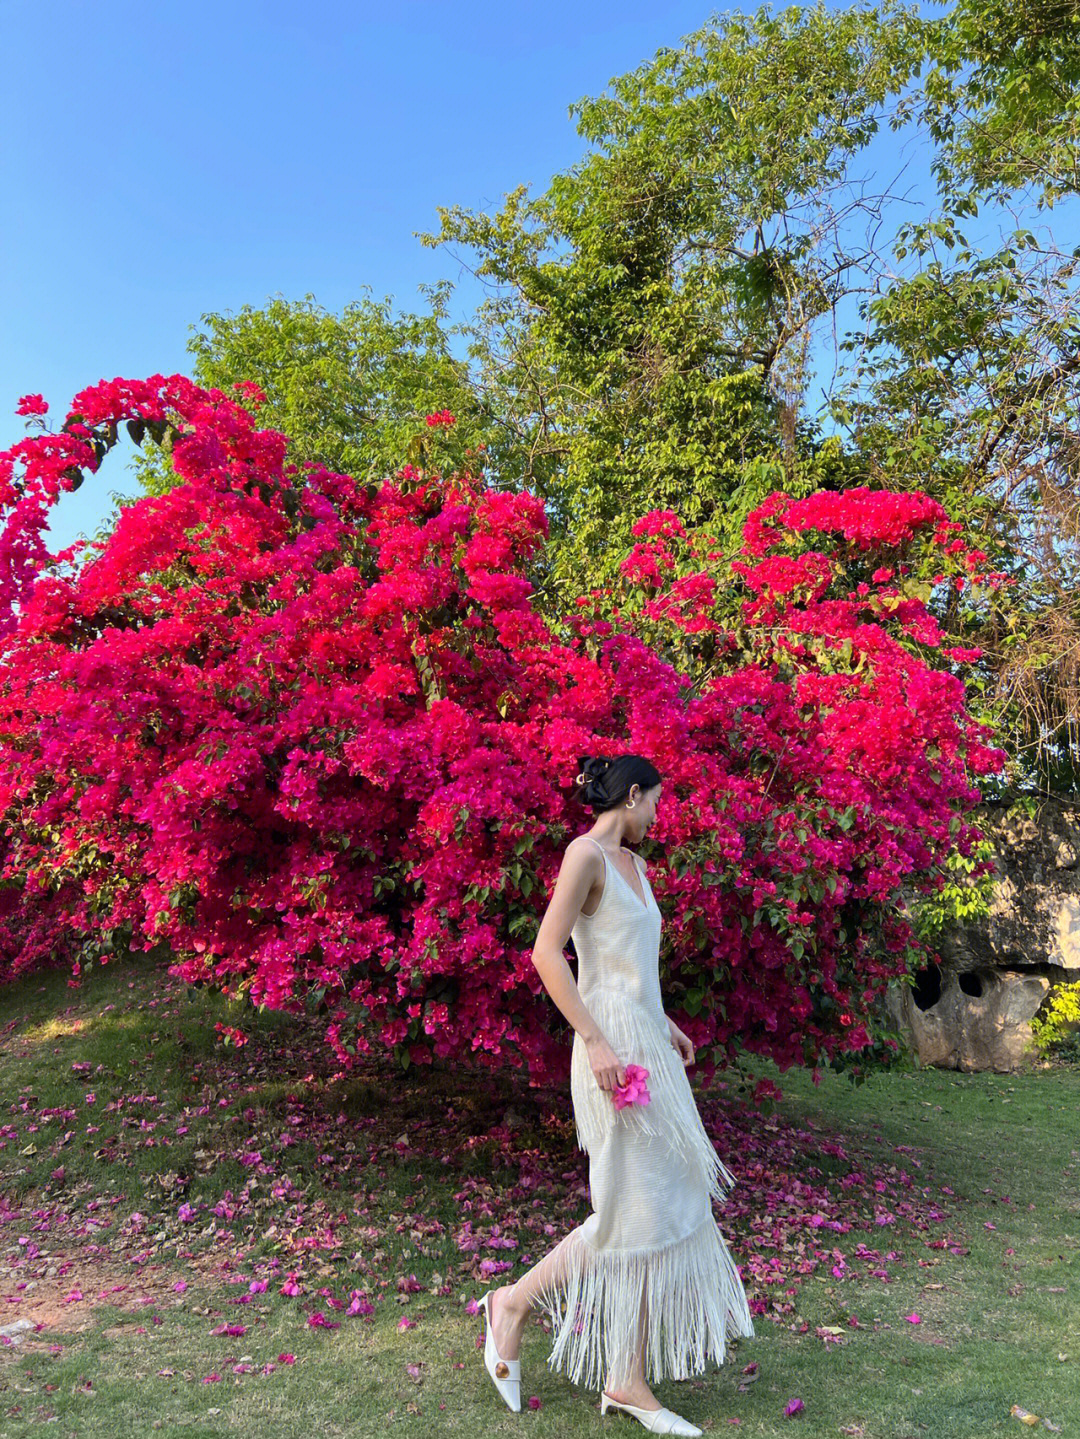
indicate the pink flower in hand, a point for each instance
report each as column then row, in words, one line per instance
column 634, row 1090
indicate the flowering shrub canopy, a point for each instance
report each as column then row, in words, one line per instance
column 310, row 739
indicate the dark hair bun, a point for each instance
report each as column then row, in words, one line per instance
column 590, row 778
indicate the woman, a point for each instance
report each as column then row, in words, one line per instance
column 645, row 1288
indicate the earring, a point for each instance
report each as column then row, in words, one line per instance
column 630, row 803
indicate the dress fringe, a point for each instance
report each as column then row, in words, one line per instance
column 637, row 1036
column 694, row 1301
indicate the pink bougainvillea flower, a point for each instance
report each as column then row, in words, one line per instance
column 793, row 1406
column 269, row 660
column 250, row 391
column 634, row 1091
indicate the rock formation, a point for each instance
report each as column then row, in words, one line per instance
column 974, row 1011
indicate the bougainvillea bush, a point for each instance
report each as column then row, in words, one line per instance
column 308, row 739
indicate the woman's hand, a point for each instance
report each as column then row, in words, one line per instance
column 609, row 1073
column 681, row 1043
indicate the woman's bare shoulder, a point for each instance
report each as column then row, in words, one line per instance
column 582, row 844
column 584, row 853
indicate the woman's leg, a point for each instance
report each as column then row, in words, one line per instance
column 512, row 1303
column 626, row 1376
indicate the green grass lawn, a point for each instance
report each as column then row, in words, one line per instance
column 159, row 1194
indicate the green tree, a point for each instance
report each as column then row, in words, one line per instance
column 1002, row 98
column 966, row 376
column 350, row 390
column 647, row 327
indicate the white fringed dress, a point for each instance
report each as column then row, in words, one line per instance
column 653, row 1172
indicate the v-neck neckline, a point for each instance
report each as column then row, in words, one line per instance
column 644, row 903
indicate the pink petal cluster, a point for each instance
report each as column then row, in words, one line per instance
column 634, row 1091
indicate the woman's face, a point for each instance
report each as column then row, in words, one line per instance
column 640, row 818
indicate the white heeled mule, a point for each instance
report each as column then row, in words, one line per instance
column 505, row 1373
column 656, row 1421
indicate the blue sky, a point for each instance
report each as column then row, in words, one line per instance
column 165, row 160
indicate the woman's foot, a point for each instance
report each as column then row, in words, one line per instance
column 507, row 1323
column 640, row 1396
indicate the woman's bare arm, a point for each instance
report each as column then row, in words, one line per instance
column 581, row 868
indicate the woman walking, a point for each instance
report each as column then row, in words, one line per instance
column 646, row 1288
